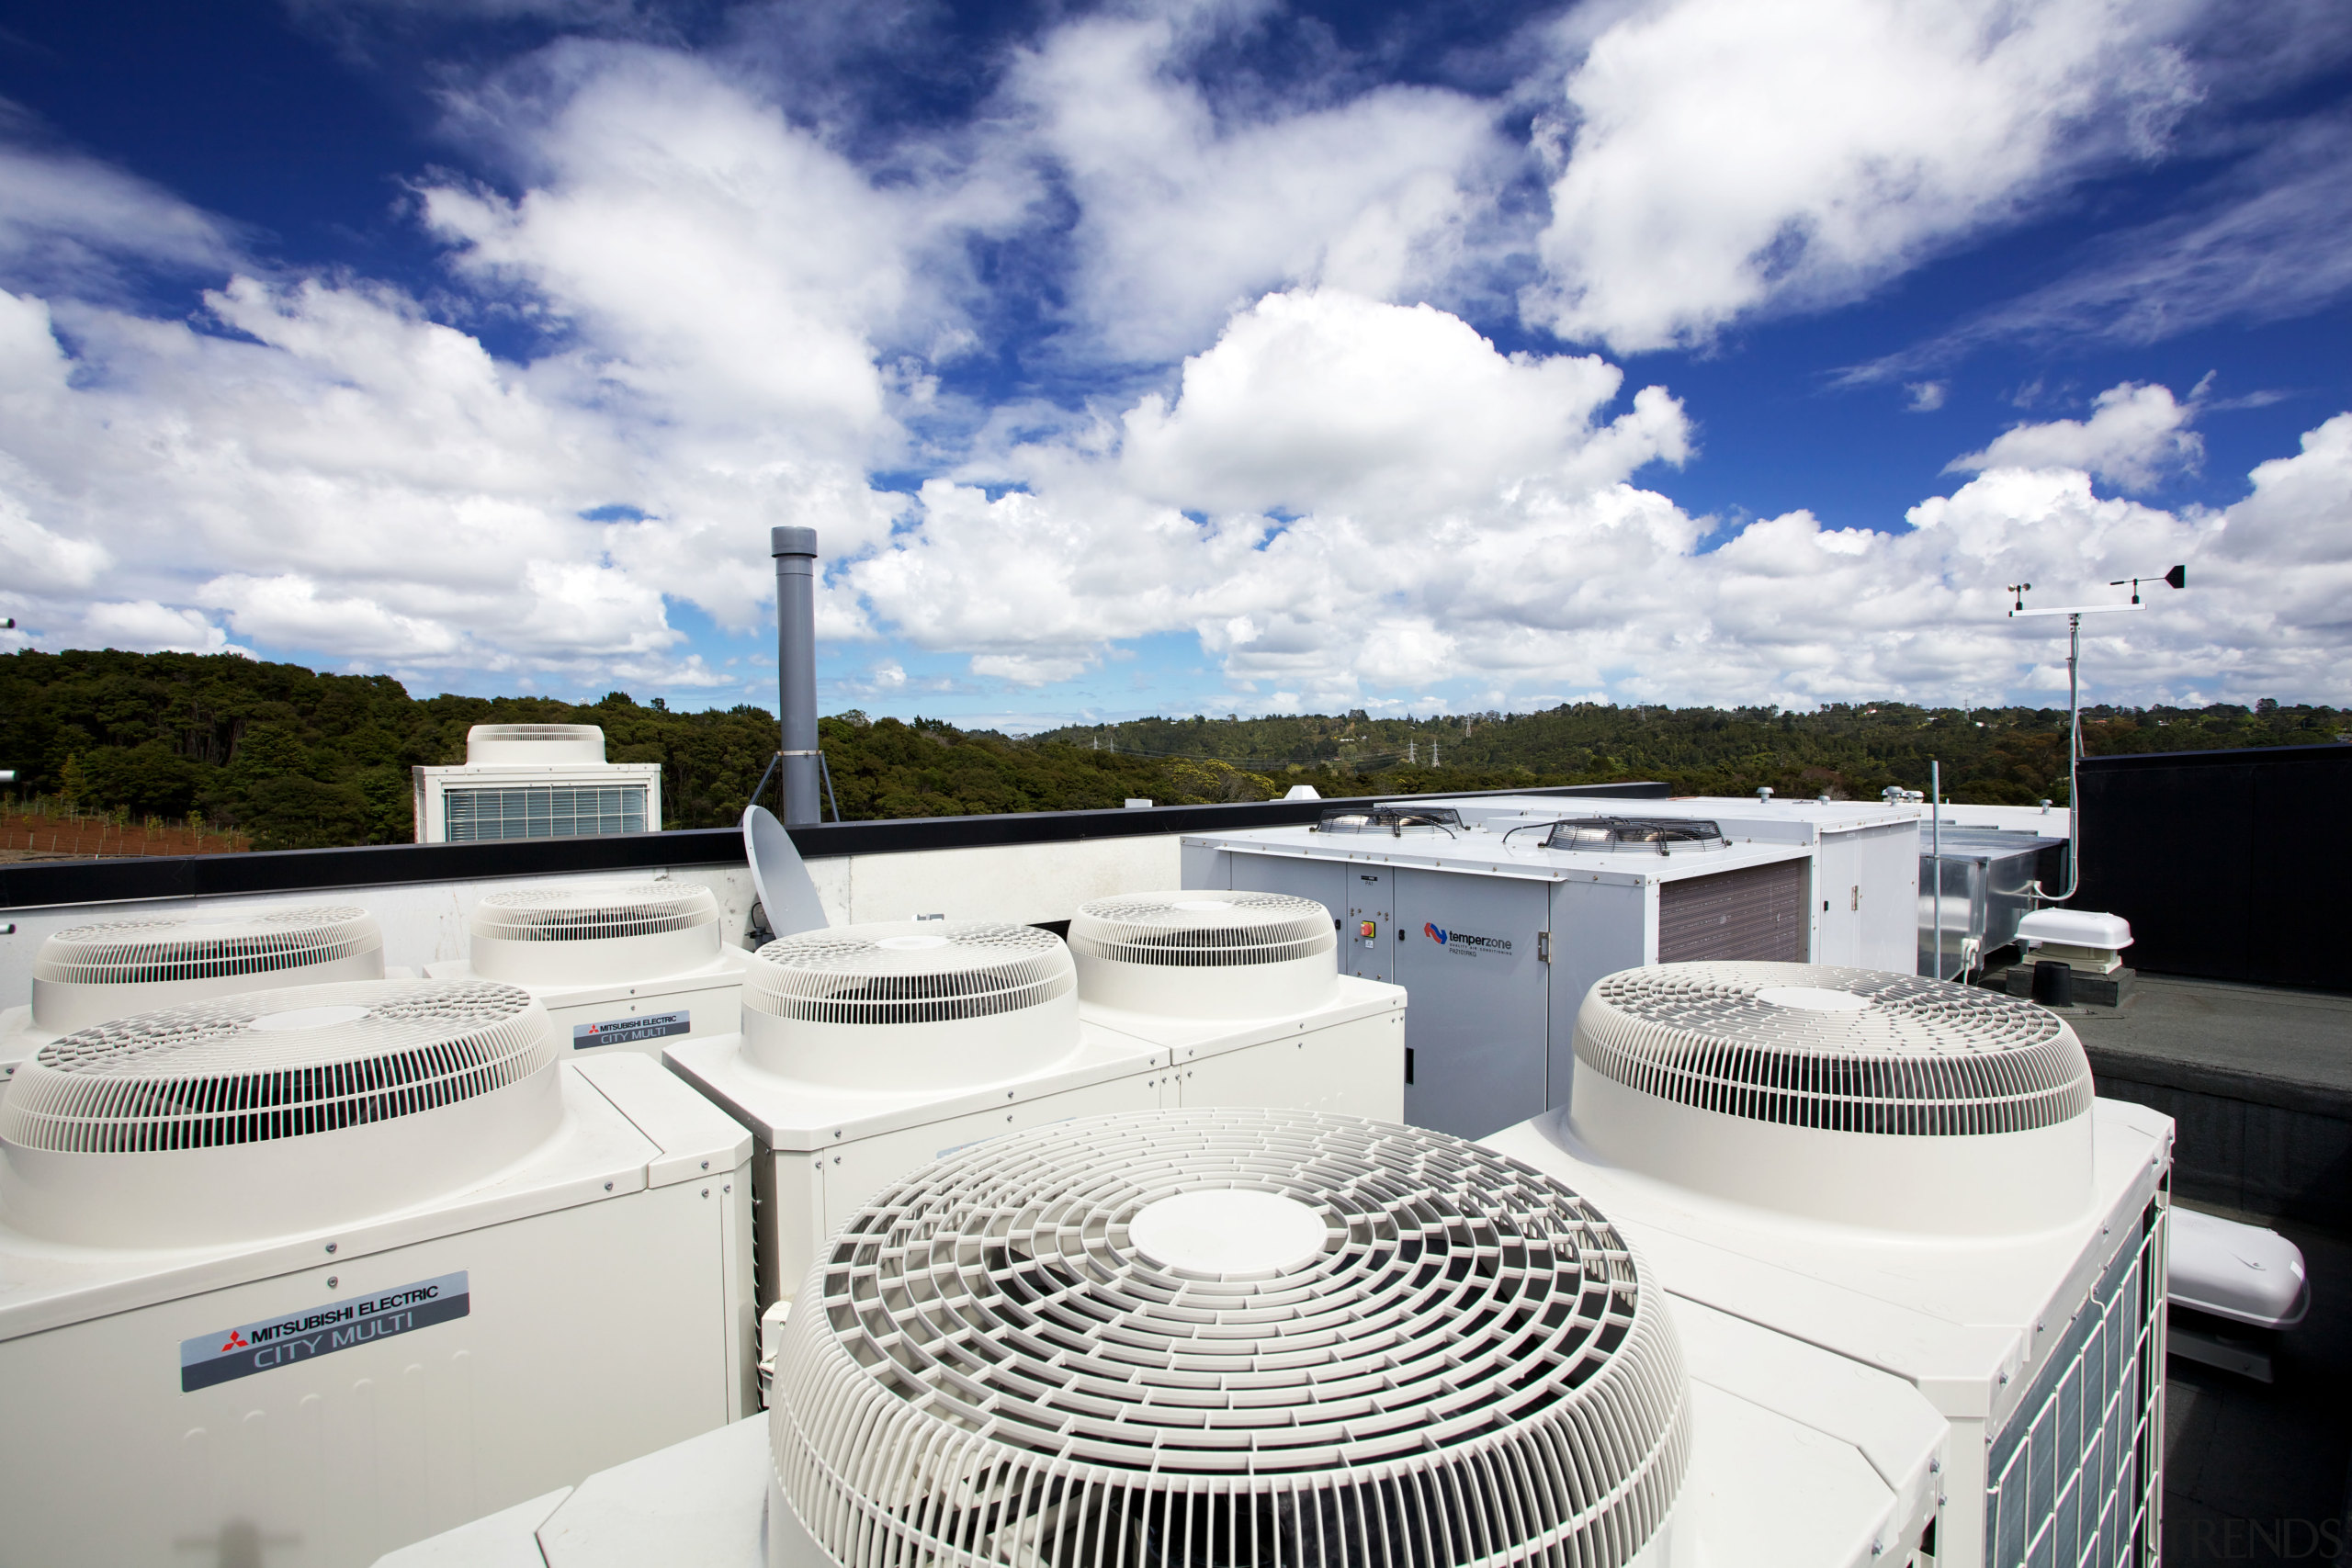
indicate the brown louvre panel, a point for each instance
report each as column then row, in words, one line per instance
column 1755, row 913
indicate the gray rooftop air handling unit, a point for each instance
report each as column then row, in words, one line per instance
column 1839, row 1094
column 1206, row 955
column 891, row 1005
column 1241, row 1339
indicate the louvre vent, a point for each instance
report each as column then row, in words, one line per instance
column 1245, row 1339
column 909, row 972
column 270, row 1064
column 593, row 913
column 1203, row 930
column 207, row 947
column 1846, row 1050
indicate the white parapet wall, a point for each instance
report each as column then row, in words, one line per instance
column 426, row 923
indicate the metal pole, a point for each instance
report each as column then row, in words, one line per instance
column 1936, row 855
column 795, row 550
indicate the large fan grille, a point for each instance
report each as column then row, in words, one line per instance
column 1924, row 1059
column 206, row 947
column 1471, row 1371
column 1389, row 820
column 878, row 974
column 202, row 1075
column 594, row 913
column 1621, row 835
column 1209, row 930
column 529, row 732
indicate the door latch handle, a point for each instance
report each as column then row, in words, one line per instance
column 1543, row 947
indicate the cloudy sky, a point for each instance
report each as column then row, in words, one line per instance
column 1186, row 357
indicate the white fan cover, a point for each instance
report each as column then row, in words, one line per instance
column 88, row 973
column 1205, row 954
column 1438, row 1357
column 274, row 1111
column 535, row 746
column 1854, row 1095
column 929, row 1004
column 592, row 934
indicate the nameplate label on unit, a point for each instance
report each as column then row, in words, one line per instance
column 346, row 1324
column 628, row 1031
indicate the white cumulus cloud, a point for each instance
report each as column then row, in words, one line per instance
column 2135, row 434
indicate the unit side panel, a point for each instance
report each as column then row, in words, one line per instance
column 1836, row 910
column 588, row 1340
column 1756, row 912
column 1203, row 865
column 1325, row 881
column 1889, row 875
column 1467, row 956
column 1597, row 928
column 1350, row 1070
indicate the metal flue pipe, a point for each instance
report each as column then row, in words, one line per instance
column 795, row 550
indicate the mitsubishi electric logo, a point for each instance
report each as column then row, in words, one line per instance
column 1465, row 945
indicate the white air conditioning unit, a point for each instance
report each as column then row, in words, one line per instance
column 90, row 975
column 619, row 965
column 869, row 1050
column 1258, row 1339
column 536, row 781
column 1244, row 992
column 297, row 1276
column 1916, row 1176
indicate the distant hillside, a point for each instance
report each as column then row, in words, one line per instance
column 290, row 757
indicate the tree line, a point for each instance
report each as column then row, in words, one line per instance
column 292, row 758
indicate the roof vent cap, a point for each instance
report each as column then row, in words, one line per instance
column 86, row 975
column 1256, row 1339
column 942, row 1003
column 1205, row 954
column 273, row 1112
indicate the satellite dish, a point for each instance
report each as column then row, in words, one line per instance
column 788, row 893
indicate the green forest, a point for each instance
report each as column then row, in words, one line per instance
column 294, row 759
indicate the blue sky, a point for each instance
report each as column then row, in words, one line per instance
column 1187, row 357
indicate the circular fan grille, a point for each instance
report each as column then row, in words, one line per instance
column 593, row 913
column 1618, row 835
column 267, row 1064
column 1470, row 1368
column 908, row 972
column 206, row 947
column 1880, row 1052
column 1206, row 929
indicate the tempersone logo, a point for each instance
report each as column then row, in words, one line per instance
column 1434, row 933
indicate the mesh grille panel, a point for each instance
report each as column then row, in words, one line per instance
column 1205, row 929
column 1471, row 1370
column 551, row 732
column 203, row 1075
column 544, row 811
column 594, row 913
column 204, row 947
column 1922, row 1058
column 908, row 972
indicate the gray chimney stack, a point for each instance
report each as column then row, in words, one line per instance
column 796, row 655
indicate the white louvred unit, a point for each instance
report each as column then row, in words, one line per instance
column 88, row 975
column 1243, row 990
column 1772, row 1135
column 868, row 1050
column 536, row 781
column 1256, row 1339
column 312, row 1272
column 619, row 965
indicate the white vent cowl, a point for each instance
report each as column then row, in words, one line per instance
column 535, row 746
column 274, row 1111
column 1252, row 1339
column 88, row 973
column 941, row 1005
column 1851, row 1095
column 1205, row 954
column 594, row 934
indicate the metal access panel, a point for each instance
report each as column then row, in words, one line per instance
column 1324, row 881
column 1597, row 928
column 1757, row 913
column 1468, row 953
column 1368, row 934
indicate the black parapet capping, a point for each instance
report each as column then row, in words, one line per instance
column 38, row 883
column 2229, row 865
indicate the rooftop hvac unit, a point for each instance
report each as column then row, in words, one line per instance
column 89, row 974
column 1497, row 935
column 1777, row 1133
column 1243, row 992
column 536, row 781
column 298, row 1276
column 1258, row 1339
column 617, row 966
column 868, row 1050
